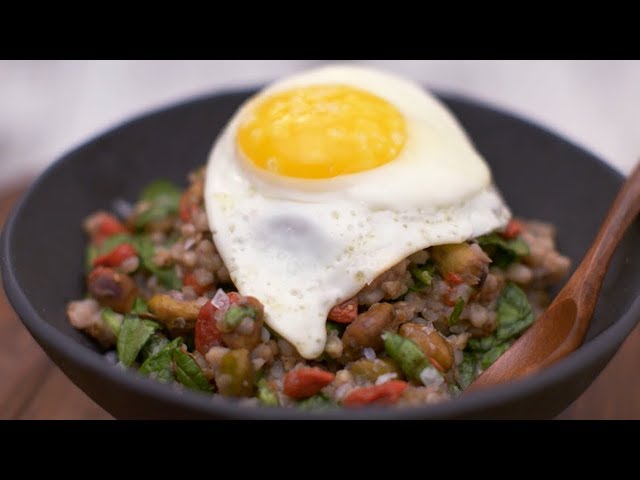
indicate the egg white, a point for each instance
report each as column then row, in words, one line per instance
column 303, row 246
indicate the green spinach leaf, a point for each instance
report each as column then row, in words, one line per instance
column 160, row 364
column 133, row 334
column 514, row 312
column 188, row 372
column 503, row 252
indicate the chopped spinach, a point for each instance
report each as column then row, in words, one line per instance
column 503, row 252
column 112, row 319
column 188, row 372
column 457, row 310
column 133, row 334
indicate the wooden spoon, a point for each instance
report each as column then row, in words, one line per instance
column 562, row 327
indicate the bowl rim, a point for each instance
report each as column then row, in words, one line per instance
column 204, row 404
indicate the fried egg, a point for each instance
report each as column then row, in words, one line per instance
column 324, row 180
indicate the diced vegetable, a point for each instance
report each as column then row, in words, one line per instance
column 406, row 354
column 457, row 310
column 236, row 314
column 112, row 319
column 235, row 376
column 131, row 338
column 265, row 394
column 188, row 372
column 189, row 280
column 249, row 335
column 115, row 257
column 372, row 369
column 502, row 251
column 346, row 312
column 207, row 333
column 306, row 382
column 102, row 225
column 317, row 402
column 513, row 229
column 386, row 393
column 453, row 279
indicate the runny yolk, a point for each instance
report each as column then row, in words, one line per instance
column 321, row 131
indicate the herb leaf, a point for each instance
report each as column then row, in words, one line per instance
column 422, row 275
column 466, row 370
column 411, row 360
column 492, row 355
column 164, row 199
column 112, row 319
column 236, row 314
column 188, row 372
column 502, row 251
column 166, row 276
column 457, row 310
column 92, row 252
column 266, row 395
column 156, row 343
column 159, row 189
column 160, row 364
column 133, row 335
column 318, row 401
column 482, row 344
column 139, row 306
column 514, row 312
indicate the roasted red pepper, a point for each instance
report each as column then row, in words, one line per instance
column 306, row 382
column 346, row 312
column 190, row 280
column 103, row 225
column 207, row 334
column 116, row 257
column 513, row 229
column 386, row 393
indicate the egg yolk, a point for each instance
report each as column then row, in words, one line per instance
column 321, row 131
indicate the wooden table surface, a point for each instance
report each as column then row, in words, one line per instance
column 32, row 387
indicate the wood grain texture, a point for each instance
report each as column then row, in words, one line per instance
column 32, row 387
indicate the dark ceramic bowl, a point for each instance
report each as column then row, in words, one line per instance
column 541, row 175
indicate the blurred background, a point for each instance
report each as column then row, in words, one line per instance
column 49, row 107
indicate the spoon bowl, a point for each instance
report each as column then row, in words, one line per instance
column 562, row 327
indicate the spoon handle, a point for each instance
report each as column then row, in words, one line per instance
column 584, row 285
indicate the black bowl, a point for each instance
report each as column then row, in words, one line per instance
column 541, row 175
